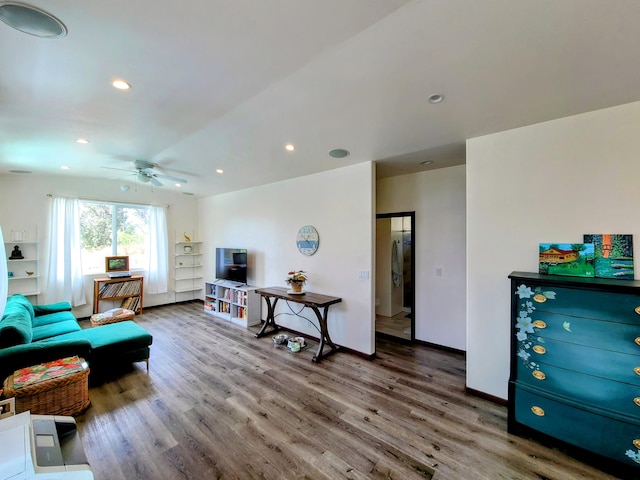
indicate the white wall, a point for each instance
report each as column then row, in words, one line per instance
column 550, row 182
column 24, row 205
column 438, row 199
column 265, row 220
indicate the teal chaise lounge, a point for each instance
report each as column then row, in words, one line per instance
column 32, row 334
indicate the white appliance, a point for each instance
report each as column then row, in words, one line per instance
column 41, row 447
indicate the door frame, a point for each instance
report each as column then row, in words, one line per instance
column 413, row 263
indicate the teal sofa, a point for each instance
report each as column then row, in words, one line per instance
column 32, row 334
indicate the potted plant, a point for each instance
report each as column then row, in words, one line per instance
column 296, row 279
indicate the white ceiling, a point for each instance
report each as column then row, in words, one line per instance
column 226, row 83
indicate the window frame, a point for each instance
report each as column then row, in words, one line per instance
column 114, row 227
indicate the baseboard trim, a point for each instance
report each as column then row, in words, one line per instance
column 486, row 396
column 442, row 347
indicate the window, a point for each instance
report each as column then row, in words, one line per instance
column 111, row 229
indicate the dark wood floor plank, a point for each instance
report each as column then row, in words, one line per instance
column 218, row 403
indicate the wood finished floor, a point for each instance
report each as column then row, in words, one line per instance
column 398, row 326
column 218, row 403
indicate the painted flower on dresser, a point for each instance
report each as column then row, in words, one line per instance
column 635, row 456
column 526, row 327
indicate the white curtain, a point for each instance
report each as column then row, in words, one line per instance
column 4, row 280
column 158, row 271
column 65, row 280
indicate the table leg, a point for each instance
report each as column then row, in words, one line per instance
column 324, row 336
column 271, row 319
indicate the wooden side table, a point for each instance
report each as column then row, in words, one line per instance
column 60, row 387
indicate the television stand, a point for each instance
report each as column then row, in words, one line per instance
column 232, row 301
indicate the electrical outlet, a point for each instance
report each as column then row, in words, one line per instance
column 438, row 271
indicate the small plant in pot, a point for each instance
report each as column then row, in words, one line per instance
column 296, row 279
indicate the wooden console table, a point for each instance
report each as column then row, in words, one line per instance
column 314, row 301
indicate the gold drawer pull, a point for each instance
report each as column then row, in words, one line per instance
column 637, row 401
column 636, row 443
column 637, row 340
column 539, row 324
column 540, row 412
column 637, row 310
column 637, row 370
column 538, row 297
column 539, row 349
column 538, row 374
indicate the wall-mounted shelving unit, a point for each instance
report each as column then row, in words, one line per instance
column 188, row 271
column 24, row 273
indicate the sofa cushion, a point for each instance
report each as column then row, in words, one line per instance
column 15, row 326
column 21, row 300
column 51, row 308
column 55, row 329
column 113, row 339
column 52, row 318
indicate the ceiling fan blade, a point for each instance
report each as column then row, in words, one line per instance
column 155, row 181
column 121, row 169
column 169, row 177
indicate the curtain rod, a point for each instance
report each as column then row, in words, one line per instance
column 51, row 195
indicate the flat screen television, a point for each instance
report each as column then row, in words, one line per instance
column 231, row 264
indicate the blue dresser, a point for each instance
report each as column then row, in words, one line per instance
column 575, row 364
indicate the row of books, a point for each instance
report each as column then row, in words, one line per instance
column 120, row 289
column 131, row 303
column 240, row 297
column 211, row 306
column 224, row 307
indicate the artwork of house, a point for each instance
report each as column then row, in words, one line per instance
column 574, row 259
column 613, row 255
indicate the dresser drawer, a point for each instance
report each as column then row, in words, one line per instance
column 609, row 437
column 582, row 389
column 609, row 306
column 621, row 367
column 619, row 337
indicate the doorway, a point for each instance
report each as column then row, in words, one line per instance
column 395, row 273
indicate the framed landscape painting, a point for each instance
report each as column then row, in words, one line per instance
column 573, row 259
column 613, row 255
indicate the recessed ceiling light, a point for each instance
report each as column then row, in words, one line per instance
column 339, row 153
column 32, row 21
column 220, row 171
column 436, row 98
column 289, row 147
column 65, row 167
column 178, row 185
column 426, row 162
column 121, row 85
column 20, row 171
column 187, row 193
column 83, row 141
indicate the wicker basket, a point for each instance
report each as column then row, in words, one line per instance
column 66, row 394
column 112, row 316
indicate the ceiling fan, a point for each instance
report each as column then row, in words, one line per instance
column 145, row 173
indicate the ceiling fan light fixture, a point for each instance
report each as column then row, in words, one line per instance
column 143, row 178
column 31, row 20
